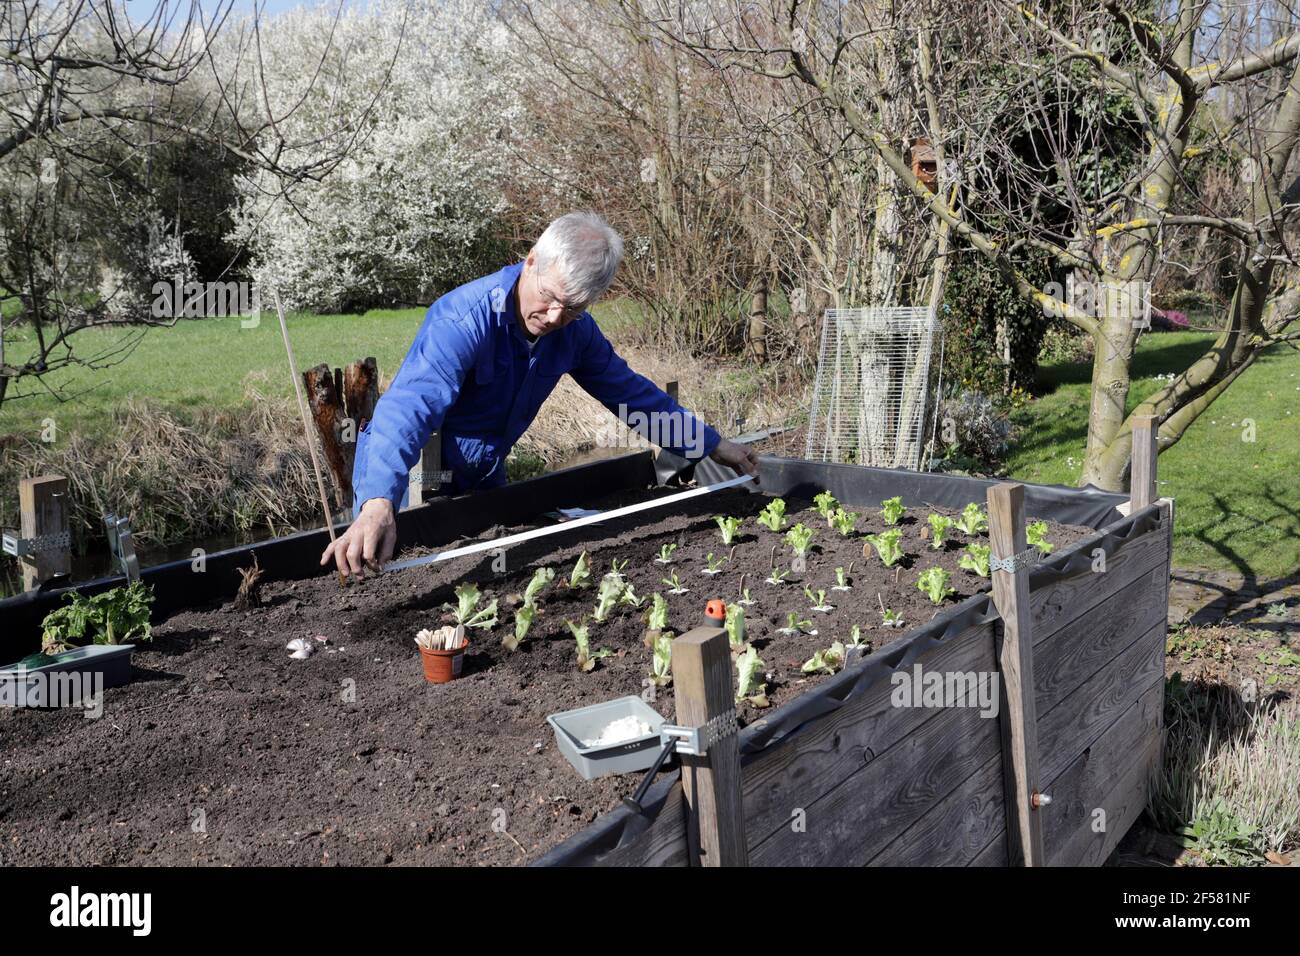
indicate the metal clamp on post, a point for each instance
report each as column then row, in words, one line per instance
column 696, row 741
column 1025, row 559
column 20, row 547
column 122, row 545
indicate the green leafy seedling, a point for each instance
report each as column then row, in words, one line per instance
column 735, row 626
column 844, row 522
column 113, row 617
column 728, row 528
column 750, row 684
column 892, row 510
column 934, row 582
column 661, row 663
column 540, row 579
column 827, row 661
column 800, row 539
column 675, row 586
column 467, row 612
column 818, row 599
column 1036, row 535
column 842, row 578
column 616, row 568
column 657, row 617
column 887, row 546
column 773, row 516
column 713, row 565
column 608, row 597
column 586, row 657
column 793, row 625
column 744, row 600
column 666, row 554
column 891, row 618
column 976, row 558
column 856, row 639
column 580, row 576
column 524, row 615
column 825, row 504
column 939, row 525
column 973, row 520
column 778, row 576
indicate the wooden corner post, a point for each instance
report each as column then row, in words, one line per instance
column 702, row 685
column 1142, row 470
column 1019, row 718
column 43, row 507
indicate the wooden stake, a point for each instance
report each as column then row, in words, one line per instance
column 702, row 685
column 42, row 503
column 1019, row 721
column 306, row 426
column 1142, row 470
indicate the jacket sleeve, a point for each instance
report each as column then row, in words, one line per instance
column 645, row 408
column 415, row 404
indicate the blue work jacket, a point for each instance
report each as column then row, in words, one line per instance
column 470, row 373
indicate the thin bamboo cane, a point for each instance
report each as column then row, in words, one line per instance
column 306, row 426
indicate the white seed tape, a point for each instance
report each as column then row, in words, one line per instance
column 513, row 539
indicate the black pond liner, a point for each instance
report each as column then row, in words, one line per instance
column 1087, row 507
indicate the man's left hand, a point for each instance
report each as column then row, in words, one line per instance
column 734, row 455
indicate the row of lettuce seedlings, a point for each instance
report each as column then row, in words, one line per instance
column 616, row 591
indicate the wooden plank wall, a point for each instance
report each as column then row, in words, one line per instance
column 877, row 784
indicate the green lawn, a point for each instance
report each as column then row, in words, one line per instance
column 1238, row 503
column 203, row 362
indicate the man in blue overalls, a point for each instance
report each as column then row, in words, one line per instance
column 481, row 365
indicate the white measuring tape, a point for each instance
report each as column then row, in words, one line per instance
column 523, row 536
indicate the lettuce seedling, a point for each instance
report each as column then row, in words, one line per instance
column 750, row 684
column 830, row 660
column 794, row 626
column 856, row 639
column 524, row 615
column 973, row 520
column 467, row 612
column 744, row 600
column 629, row 596
column 976, row 558
column 1036, row 535
column 778, row 575
column 934, row 582
column 939, row 525
column 825, row 504
column 842, row 579
column 891, row 618
column 661, row 663
column 887, row 546
column 540, row 579
column 891, row 509
column 818, row 599
column 674, row 586
column 843, row 521
column 656, row 618
column 735, row 625
column 799, row 538
column 728, row 527
column 580, row 576
column 586, row 658
column 608, row 597
column 666, row 554
column 616, row 568
column 714, row 564
column 773, row 516
column 113, row 617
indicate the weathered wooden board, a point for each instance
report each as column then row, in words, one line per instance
column 1057, row 603
column 959, row 827
column 1086, row 713
column 823, row 755
column 663, row 844
column 857, row 819
column 1079, row 649
column 1109, row 776
column 995, row 854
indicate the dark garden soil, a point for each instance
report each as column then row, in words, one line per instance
column 224, row 751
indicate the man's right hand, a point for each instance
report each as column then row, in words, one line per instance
column 369, row 542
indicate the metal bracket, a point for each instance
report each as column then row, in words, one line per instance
column 20, row 547
column 696, row 741
column 1025, row 559
column 122, row 545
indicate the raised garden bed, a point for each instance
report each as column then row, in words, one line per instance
column 350, row 756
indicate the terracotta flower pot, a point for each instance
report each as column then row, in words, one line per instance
column 440, row 667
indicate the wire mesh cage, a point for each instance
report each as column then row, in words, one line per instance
column 872, row 400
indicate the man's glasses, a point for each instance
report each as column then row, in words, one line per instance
column 554, row 303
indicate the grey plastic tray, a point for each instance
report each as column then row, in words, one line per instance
column 27, row 689
column 572, row 727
